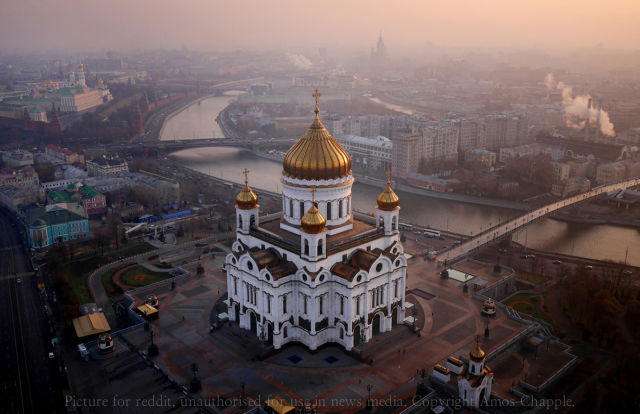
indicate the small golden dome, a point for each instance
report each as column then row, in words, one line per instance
column 477, row 354
column 317, row 156
column 313, row 221
column 388, row 200
column 246, row 198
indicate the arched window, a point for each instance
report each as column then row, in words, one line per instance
column 239, row 221
column 302, row 209
column 329, row 211
column 394, row 223
column 320, row 247
column 284, row 306
column 284, row 332
column 290, row 208
column 306, row 247
column 340, row 209
column 252, row 221
column 341, row 333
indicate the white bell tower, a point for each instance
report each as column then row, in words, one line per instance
column 387, row 210
column 247, row 207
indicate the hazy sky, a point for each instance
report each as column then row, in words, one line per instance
column 214, row 24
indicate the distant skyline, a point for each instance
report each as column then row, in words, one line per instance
column 37, row 25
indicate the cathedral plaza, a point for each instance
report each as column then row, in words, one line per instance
column 229, row 362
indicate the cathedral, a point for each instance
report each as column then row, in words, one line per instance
column 315, row 274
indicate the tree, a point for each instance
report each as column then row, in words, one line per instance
column 46, row 171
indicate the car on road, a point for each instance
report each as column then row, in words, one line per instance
column 531, row 256
column 588, row 267
column 51, row 355
column 557, row 261
column 502, row 250
column 627, row 273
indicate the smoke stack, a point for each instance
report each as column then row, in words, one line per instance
column 597, row 138
column 586, row 125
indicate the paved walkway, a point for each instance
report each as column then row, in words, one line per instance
column 95, row 278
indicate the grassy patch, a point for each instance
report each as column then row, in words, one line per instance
column 111, row 288
column 529, row 304
column 139, row 276
column 531, row 277
column 78, row 272
column 121, row 104
column 522, row 285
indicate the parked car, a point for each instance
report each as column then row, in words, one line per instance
column 557, row 261
column 588, row 267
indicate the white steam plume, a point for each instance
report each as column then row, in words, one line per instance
column 550, row 81
column 300, row 61
column 577, row 111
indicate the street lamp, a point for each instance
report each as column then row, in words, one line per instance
column 415, row 317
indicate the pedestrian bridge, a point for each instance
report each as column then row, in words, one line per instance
column 512, row 225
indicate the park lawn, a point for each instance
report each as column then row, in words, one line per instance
column 129, row 277
column 77, row 273
column 124, row 102
column 113, row 290
column 525, row 303
column 531, row 277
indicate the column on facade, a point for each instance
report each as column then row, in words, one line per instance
column 366, row 310
column 350, row 304
column 313, row 313
column 260, row 298
column 403, row 282
column 389, row 297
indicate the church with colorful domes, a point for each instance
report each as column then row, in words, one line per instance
column 315, row 274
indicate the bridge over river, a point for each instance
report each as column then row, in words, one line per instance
column 177, row 145
column 509, row 227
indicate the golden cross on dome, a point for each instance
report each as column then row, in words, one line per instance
column 388, row 176
column 317, row 95
column 313, row 195
column 246, row 175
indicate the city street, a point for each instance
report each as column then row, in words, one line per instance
column 28, row 378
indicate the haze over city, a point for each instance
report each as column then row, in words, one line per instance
column 35, row 25
column 289, row 207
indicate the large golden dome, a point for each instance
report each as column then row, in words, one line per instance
column 246, row 198
column 317, row 156
column 388, row 200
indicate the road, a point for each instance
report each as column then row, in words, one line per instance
column 28, row 378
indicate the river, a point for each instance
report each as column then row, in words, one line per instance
column 586, row 240
column 197, row 120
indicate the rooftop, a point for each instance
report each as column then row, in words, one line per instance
column 271, row 232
